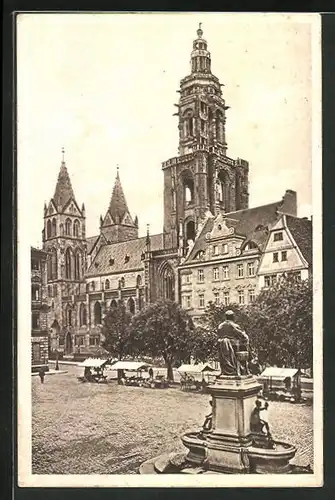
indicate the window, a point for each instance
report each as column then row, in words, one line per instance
column 54, row 230
column 217, row 298
column 201, row 300
column 251, row 269
column 97, row 313
column 35, row 320
column 68, row 226
column 35, row 292
column 80, row 340
column 225, row 248
column 55, row 291
column 187, row 301
column 251, row 295
column 215, row 250
column 48, row 229
column 200, row 275
column 295, row 274
column 240, row 270
column 77, row 265
column 122, row 282
column 139, row 280
column 241, row 296
column 69, row 317
column 226, row 298
column 68, row 263
column 35, row 264
column 216, row 275
column 94, row 340
column 131, row 305
column 82, row 315
column 278, row 236
column 107, row 284
column 49, row 291
column 76, row 227
column 284, row 255
column 275, row 257
column 225, row 271
column 270, row 280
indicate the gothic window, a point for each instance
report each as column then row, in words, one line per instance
column 139, row 280
column 97, row 313
column 167, row 277
column 82, row 315
column 68, row 226
column 76, row 227
column 188, row 188
column 69, row 316
column 53, row 230
column 190, row 231
column 122, row 282
column 61, row 227
column 113, row 303
column 224, row 189
column 68, row 263
column 188, row 123
column 77, row 265
column 107, row 284
column 48, row 229
column 131, row 305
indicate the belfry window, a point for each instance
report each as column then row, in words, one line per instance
column 53, row 231
column 188, row 123
column 68, row 227
column 68, row 264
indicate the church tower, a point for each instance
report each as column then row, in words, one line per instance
column 64, row 240
column 202, row 178
column 118, row 225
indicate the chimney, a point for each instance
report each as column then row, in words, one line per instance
column 289, row 203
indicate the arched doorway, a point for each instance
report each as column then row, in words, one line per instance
column 68, row 343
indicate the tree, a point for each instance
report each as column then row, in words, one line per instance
column 164, row 329
column 118, row 332
column 281, row 323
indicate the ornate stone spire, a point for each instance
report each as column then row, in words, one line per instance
column 118, row 207
column 63, row 192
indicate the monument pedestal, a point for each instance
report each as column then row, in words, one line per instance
column 225, row 450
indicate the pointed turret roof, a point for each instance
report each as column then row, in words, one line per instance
column 118, row 205
column 63, row 191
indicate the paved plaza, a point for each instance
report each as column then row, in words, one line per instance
column 105, row 428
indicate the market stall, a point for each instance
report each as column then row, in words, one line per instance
column 94, row 370
column 196, row 377
column 283, row 384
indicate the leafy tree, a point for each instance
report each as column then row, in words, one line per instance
column 118, row 332
column 281, row 323
column 164, row 329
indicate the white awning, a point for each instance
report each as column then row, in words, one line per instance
column 199, row 368
column 130, row 365
column 278, row 373
column 94, row 362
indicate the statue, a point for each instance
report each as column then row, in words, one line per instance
column 259, row 427
column 233, row 346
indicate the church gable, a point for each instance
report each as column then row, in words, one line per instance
column 108, row 221
column 127, row 220
column 51, row 208
column 71, row 208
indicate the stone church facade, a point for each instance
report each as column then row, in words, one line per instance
column 88, row 275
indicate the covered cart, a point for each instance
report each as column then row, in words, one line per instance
column 94, row 370
column 283, row 384
column 196, row 377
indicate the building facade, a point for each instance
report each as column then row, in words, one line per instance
column 39, row 311
column 212, row 243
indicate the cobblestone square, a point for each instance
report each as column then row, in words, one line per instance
column 109, row 429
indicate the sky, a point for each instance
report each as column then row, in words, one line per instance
column 103, row 86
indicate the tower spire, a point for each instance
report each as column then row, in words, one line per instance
column 63, row 192
column 200, row 56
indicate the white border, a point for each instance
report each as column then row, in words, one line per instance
column 25, row 476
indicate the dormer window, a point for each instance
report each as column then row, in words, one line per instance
column 278, row 236
column 96, row 264
column 111, row 262
column 142, row 256
column 215, row 250
column 126, row 259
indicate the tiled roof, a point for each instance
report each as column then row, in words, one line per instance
column 301, row 230
column 90, row 242
column 252, row 223
column 118, row 251
column 63, row 191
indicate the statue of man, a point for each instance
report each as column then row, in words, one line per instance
column 231, row 340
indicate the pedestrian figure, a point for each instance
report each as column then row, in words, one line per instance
column 42, row 375
column 151, row 373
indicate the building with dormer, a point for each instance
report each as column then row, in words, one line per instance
column 212, row 244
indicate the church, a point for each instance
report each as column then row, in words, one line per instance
column 202, row 186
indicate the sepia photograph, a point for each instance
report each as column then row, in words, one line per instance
column 169, row 185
